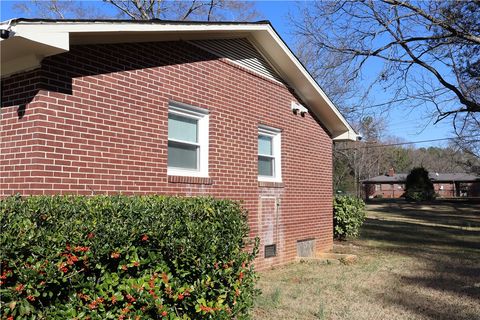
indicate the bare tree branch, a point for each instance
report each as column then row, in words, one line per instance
column 205, row 10
column 470, row 105
column 210, row 10
column 440, row 38
column 455, row 32
column 54, row 8
column 121, row 8
column 192, row 9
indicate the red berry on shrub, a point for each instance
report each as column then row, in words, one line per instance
column 83, row 296
column 151, row 283
column 31, row 298
column 98, row 260
column 19, row 288
column 164, row 277
column 152, row 293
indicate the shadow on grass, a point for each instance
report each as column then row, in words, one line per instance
column 407, row 236
column 456, row 214
column 450, row 252
column 441, row 310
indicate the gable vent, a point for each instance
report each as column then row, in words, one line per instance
column 240, row 51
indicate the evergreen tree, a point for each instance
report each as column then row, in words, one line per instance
column 419, row 187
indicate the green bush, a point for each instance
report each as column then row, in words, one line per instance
column 418, row 186
column 140, row 257
column 348, row 216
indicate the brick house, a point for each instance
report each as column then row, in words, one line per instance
column 446, row 185
column 221, row 109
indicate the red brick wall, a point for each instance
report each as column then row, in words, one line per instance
column 444, row 190
column 384, row 190
column 95, row 121
column 392, row 190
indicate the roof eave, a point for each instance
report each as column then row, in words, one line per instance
column 296, row 75
column 50, row 37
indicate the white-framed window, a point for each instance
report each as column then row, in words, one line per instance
column 187, row 140
column 269, row 154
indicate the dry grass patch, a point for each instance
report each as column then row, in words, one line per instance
column 414, row 263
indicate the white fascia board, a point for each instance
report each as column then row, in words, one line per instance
column 346, row 136
column 57, row 35
column 305, row 86
column 93, row 27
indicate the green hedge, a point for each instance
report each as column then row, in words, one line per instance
column 120, row 257
column 348, row 216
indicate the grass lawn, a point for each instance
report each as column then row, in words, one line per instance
column 414, row 262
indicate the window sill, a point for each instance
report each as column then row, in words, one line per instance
column 189, row 180
column 270, row 184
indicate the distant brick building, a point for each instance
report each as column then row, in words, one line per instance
column 221, row 109
column 446, row 185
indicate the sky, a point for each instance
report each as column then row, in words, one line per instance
column 408, row 125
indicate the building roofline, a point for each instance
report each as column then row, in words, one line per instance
column 151, row 21
column 440, row 178
column 53, row 36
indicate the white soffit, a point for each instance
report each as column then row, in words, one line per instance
column 26, row 51
column 32, row 40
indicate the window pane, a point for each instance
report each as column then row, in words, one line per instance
column 265, row 145
column 182, row 128
column 182, row 156
column 265, row 166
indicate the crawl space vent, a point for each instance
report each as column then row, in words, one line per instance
column 270, row 251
